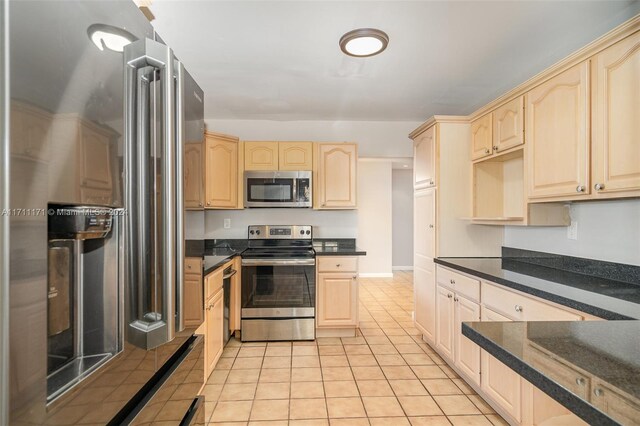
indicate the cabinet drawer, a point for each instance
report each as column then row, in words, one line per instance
column 522, row 308
column 213, row 283
column 568, row 377
column 337, row 264
column 193, row 265
column 461, row 284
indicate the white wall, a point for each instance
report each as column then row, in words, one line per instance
column 375, row 217
column 607, row 230
column 402, row 217
column 326, row 224
column 374, row 138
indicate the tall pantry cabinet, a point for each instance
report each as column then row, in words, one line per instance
column 442, row 201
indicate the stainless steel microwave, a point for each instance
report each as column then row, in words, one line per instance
column 277, row 189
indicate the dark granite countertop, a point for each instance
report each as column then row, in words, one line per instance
column 337, row 247
column 215, row 253
column 607, row 298
column 554, row 355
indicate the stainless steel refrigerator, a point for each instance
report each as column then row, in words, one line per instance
column 95, row 111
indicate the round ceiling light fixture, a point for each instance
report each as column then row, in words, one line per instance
column 364, row 42
column 109, row 37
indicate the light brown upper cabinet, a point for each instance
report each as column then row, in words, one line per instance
column 335, row 177
column 424, row 153
column 616, row 118
column 221, row 171
column 295, row 156
column 261, row 155
column 481, row 138
column 557, row 135
column 193, row 176
column 508, row 125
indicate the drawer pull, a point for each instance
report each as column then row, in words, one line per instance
column 580, row 381
column 337, row 265
column 355, row 277
column 518, row 308
column 598, row 392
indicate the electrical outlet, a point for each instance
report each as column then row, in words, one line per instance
column 227, row 224
column 572, row 230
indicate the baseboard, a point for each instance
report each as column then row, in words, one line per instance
column 376, row 275
column 402, row 268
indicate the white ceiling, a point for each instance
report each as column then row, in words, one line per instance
column 280, row 60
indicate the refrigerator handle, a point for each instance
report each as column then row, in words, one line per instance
column 180, row 136
column 146, row 328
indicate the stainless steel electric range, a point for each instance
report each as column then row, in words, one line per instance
column 278, row 284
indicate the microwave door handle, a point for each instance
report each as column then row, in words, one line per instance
column 294, row 195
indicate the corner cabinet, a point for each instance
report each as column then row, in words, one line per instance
column 337, row 296
column 557, row 135
column 221, row 171
column 193, row 176
column 335, row 177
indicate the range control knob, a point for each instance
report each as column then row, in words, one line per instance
column 257, row 232
column 301, row 232
column 308, row 232
column 252, row 232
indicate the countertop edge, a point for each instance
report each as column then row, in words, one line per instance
column 347, row 252
column 224, row 260
column 576, row 405
column 551, row 297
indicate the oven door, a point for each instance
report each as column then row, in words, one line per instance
column 278, row 288
column 277, row 189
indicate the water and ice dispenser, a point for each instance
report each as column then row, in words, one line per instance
column 84, row 293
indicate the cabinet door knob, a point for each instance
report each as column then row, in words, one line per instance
column 487, row 151
column 431, row 182
column 450, row 281
column 208, row 203
column 455, row 299
column 337, row 265
column 580, row 188
column 495, row 148
column 449, row 295
column 598, row 186
column 518, row 308
column 598, row 392
column 430, row 226
column 200, row 204
column 580, row 381
column 355, row 277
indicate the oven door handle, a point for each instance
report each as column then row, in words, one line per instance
column 277, row 262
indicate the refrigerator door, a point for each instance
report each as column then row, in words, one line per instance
column 65, row 146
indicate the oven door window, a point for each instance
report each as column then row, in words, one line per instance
column 278, row 286
column 268, row 190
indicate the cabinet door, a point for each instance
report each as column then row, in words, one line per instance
column 193, row 306
column 295, row 156
column 557, row 135
column 508, row 125
column 337, row 304
column 481, row 138
column 193, row 176
column 30, row 132
column 444, row 321
column 424, row 288
column 214, row 337
column 235, row 299
column 424, row 159
column 616, row 127
column 467, row 353
column 336, row 178
column 424, row 228
column 95, row 167
column 221, row 170
column 261, row 155
column 501, row 384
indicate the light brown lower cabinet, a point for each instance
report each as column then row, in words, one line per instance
column 213, row 321
column 337, row 296
column 193, row 301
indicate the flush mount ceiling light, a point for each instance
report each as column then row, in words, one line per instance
column 109, row 37
column 364, row 42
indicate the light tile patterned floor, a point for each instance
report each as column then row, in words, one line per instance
column 385, row 376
